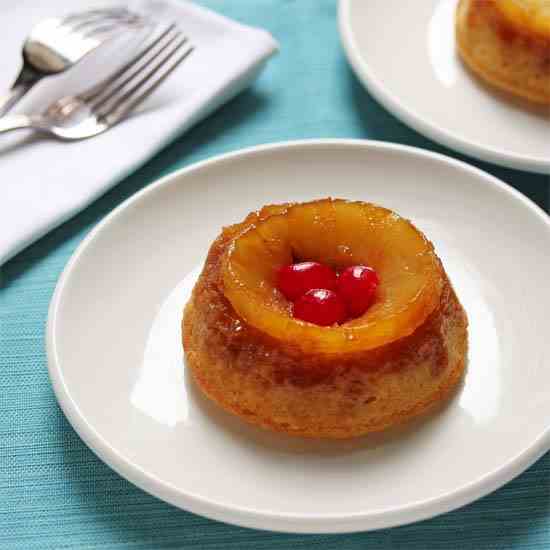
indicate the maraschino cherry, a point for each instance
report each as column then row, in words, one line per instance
column 322, row 297
column 357, row 286
column 296, row 279
column 320, row 306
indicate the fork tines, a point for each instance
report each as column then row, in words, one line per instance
column 130, row 85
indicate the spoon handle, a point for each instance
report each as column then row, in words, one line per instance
column 14, row 122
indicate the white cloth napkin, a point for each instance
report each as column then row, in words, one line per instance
column 45, row 182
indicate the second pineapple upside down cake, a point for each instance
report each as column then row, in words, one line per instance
column 507, row 44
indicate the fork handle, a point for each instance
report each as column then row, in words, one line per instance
column 13, row 96
column 25, row 80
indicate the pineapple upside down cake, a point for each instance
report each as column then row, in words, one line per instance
column 507, row 44
column 325, row 319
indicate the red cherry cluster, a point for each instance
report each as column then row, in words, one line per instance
column 324, row 297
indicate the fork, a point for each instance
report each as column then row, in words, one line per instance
column 56, row 44
column 106, row 104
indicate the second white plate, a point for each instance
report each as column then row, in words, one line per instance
column 404, row 53
column 116, row 362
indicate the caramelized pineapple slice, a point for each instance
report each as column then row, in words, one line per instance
column 531, row 15
column 339, row 233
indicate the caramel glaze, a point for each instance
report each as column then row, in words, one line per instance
column 537, row 44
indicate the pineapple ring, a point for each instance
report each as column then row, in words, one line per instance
column 529, row 15
column 339, row 233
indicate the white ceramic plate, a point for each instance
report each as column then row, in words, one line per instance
column 404, row 53
column 116, row 363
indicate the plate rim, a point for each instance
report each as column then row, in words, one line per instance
column 438, row 134
column 274, row 521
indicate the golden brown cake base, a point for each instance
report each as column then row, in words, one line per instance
column 504, row 55
column 331, row 396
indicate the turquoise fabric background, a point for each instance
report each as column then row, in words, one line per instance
column 54, row 492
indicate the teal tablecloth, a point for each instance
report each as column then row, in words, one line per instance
column 54, row 492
